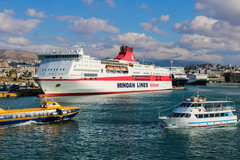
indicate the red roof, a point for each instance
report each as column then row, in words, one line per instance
column 126, row 54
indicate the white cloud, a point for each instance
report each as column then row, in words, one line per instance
column 89, row 26
column 111, row 3
column 144, row 6
column 34, row 13
column 8, row 24
column 162, row 18
column 220, row 9
column 88, row 1
column 209, row 27
column 151, row 29
column 36, row 48
column 17, row 40
column 199, row 42
column 59, row 39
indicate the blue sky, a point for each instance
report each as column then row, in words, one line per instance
column 202, row 30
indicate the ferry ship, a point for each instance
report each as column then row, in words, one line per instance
column 179, row 77
column 49, row 111
column 73, row 73
column 197, row 79
column 198, row 112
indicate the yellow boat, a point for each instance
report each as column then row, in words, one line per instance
column 49, row 111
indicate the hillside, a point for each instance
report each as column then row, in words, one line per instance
column 17, row 55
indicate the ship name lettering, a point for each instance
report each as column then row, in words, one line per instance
column 125, row 85
column 142, row 85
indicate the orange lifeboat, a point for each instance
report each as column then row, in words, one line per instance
column 109, row 67
column 195, row 100
column 123, row 68
column 117, row 68
column 187, row 99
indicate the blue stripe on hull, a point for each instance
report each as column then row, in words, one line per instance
column 213, row 121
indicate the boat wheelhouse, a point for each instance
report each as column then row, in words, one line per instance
column 198, row 112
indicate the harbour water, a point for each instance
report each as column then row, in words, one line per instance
column 121, row 126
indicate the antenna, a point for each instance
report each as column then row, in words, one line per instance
column 145, row 54
column 171, row 62
column 197, row 93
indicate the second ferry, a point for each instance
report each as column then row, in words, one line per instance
column 198, row 112
column 73, row 73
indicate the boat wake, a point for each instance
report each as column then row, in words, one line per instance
column 19, row 124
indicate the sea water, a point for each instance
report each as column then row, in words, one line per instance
column 121, row 126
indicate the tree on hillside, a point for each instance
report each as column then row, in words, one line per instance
column 12, row 73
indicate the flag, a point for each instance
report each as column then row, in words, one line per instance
column 228, row 98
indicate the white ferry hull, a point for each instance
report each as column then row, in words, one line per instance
column 65, row 88
column 184, row 123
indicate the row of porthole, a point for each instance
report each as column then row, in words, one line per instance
column 53, row 69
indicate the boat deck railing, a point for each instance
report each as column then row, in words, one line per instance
column 225, row 108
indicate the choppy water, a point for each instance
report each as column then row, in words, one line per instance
column 121, row 126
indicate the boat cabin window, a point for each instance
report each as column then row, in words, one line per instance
column 211, row 115
column 181, row 115
column 182, row 105
column 197, row 105
column 51, row 104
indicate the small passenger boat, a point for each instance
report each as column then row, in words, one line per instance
column 198, row 112
column 49, row 111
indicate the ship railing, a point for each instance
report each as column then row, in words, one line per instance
column 225, row 108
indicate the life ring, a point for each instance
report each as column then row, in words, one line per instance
column 199, row 110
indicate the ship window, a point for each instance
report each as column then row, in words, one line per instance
column 58, row 85
column 226, row 114
column 222, row 114
column 174, row 115
column 182, row 105
column 217, row 115
column 177, row 115
column 200, row 116
column 182, row 115
column 205, row 115
column 211, row 115
column 188, row 105
column 188, row 115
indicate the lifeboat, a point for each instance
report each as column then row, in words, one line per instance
column 117, row 68
column 187, row 99
column 123, row 68
column 109, row 67
column 49, row 111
